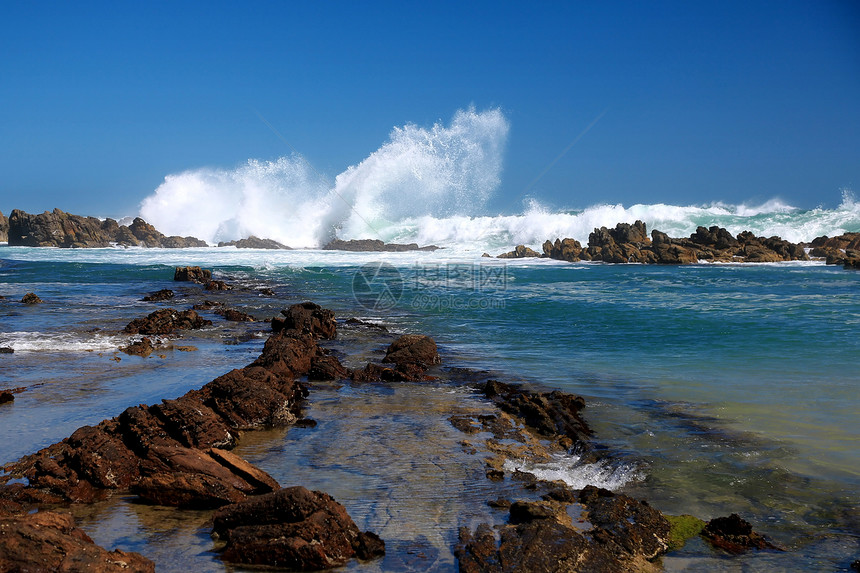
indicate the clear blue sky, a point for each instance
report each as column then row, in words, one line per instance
column 703, row 101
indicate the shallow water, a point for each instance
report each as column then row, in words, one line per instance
column 730, row 388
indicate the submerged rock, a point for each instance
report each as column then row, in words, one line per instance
column 49, row 541
column 293, row 528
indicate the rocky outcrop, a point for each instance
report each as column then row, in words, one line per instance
column 374, row 245
column 295, row 529
column 49, row 541
column 253, row 242
column 59, row 229
column 628, row 243
column 411, row 355
column 625, row 535
column 307, row 318
column 166, row 321
column 4, row 228
column 842, row 250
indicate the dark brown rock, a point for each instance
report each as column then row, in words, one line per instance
column 734, row 535
column 56, row 229
column 234, row 315
column 6, row 350
column 413, row 349
column 49, row 541
column 149, row 236
column 31, row 298
column 307, row 318
column 142, row 347
column 288, row 353
column 327, row 368
column 217, row 285
column 166, row 321
column 163, row 294
column 293, row 528
column 192, row 274
column 549, row 413
column 563, row 250
column 6, row 396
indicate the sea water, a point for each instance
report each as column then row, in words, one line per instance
column 717, row 388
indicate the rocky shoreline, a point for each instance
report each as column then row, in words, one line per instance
column 628, row 243
column 178, row 453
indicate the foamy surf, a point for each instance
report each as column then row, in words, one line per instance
column 571, row 470
column 61, row 342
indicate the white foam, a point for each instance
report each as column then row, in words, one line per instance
column 61, row 342
column 576, row 474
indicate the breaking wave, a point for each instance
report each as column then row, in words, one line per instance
column 431, row 186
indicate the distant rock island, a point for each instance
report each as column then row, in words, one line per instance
column 58, row 229
column 4, row 228
column 253, row 242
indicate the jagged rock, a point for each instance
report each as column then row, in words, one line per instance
column 192, row 274
column 253, row 242
column 217, row 285
column 59, row 229
column 374, row 245
column 307, row 318
column 734, row 535
column 166, row 321
column 569, row 250
column 49, row 541
column 540, row 537
column 520, row 252
column 163, row 294
column 668, row 253
column 142, row 347
column 293, row 528
column 289, row 353
column 413, row 349
column 31, row 298
column 4, row 228
column 551, row 414
column 234, row 315
column 327, row 368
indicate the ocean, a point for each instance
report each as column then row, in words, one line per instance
column 718, row 388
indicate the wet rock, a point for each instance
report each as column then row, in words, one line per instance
column 217, row 286
column 374, row 245
column 413, row 349
column 292, row 528
column 234, row 315
column 327, row 368
column 824, row 244
column 289, row 353
column 253, row 397
column 49, row 541
column 714, row 238
column 569, row 250
column 307, row 318
column 142, row 347
column 163, row 294
column 520, row 252
column 31, row 298
column 6, row 350
column 6, row 396
column 198, row 479
column 192, row 274
column 253, row 242
column 734, row 535
column 549, row 413
column 166, row 321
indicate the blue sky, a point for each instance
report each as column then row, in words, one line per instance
column 697, row 102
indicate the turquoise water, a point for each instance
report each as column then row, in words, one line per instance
column 731, row 388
